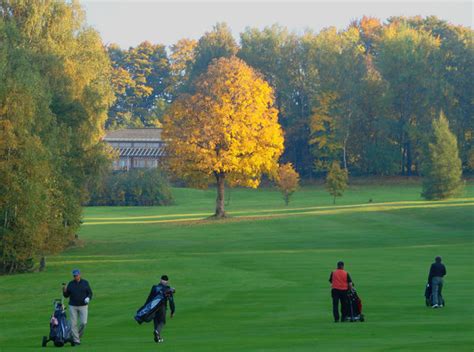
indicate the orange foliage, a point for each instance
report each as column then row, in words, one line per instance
column 227, row 128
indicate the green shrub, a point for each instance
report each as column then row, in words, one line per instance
column 135, row 187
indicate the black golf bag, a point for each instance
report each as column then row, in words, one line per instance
column 59, row 327
column 354, row 307
column 146, row 313
column 429, row 296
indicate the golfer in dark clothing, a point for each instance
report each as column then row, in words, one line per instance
column 80, row 294
column 160, row 316
column 435, row 280
column 341, row 282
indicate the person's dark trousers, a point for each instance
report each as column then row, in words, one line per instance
column 339, row 296
column 160, row 319
column 436, row 288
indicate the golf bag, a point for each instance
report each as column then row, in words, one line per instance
column 354, row 307
column 146, row 313
column 429, row 296
column 59, row 327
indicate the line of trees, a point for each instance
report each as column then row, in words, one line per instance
column 55, row 92
column 364, row 96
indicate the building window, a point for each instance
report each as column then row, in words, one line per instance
column 138, row 162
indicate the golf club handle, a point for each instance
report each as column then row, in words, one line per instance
column 63, row 285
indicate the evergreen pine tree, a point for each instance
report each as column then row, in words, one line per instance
column 442, row 169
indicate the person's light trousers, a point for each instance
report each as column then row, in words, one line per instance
column 78, row 321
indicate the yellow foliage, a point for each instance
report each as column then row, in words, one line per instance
column 322, row 122
column 287, row 180
column 228, row 127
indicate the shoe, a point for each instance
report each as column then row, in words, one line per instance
column 441, row 306
column 435, row 306
column 156, row 336
column 160, row 340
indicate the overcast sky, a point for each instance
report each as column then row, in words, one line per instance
column 130, row 22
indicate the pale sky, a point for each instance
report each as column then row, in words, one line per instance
column 128, row 22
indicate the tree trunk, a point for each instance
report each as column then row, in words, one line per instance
column 409, row 159
column 344, row 155
column 220, row 212
column 42, row 264
column 12, row 268
column 403, row 158
column 401, row 143
column 344, row 146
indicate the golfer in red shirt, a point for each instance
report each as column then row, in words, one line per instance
column 341, row 282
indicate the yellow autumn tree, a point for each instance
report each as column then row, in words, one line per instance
column 287, row 180
column 227, row 131
column 325, row 130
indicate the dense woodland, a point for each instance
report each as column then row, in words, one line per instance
column 365, row 96
column 55, row 92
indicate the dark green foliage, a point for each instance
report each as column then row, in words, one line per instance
column 213, row 45
column 141, row 78
column 286, row 63
column 135, row 187
column 442, row 169
column 386, row 82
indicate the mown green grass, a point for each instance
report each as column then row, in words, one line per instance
column 260, row 284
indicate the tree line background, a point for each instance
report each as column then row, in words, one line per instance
column 365, row 96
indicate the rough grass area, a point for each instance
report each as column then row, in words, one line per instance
column 258, row 281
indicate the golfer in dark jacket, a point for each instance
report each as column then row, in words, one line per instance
column 160, row 316
column 435, row 279
column 341, row 282
column 80, row 294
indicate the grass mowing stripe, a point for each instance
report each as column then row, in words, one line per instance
column 328, row 211
column 457, row 200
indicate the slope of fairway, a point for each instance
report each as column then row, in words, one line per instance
column 258, row 281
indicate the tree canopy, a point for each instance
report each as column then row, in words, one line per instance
column 364, row 96
column 227, row 131
column 442, row 168
column 54, row 95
